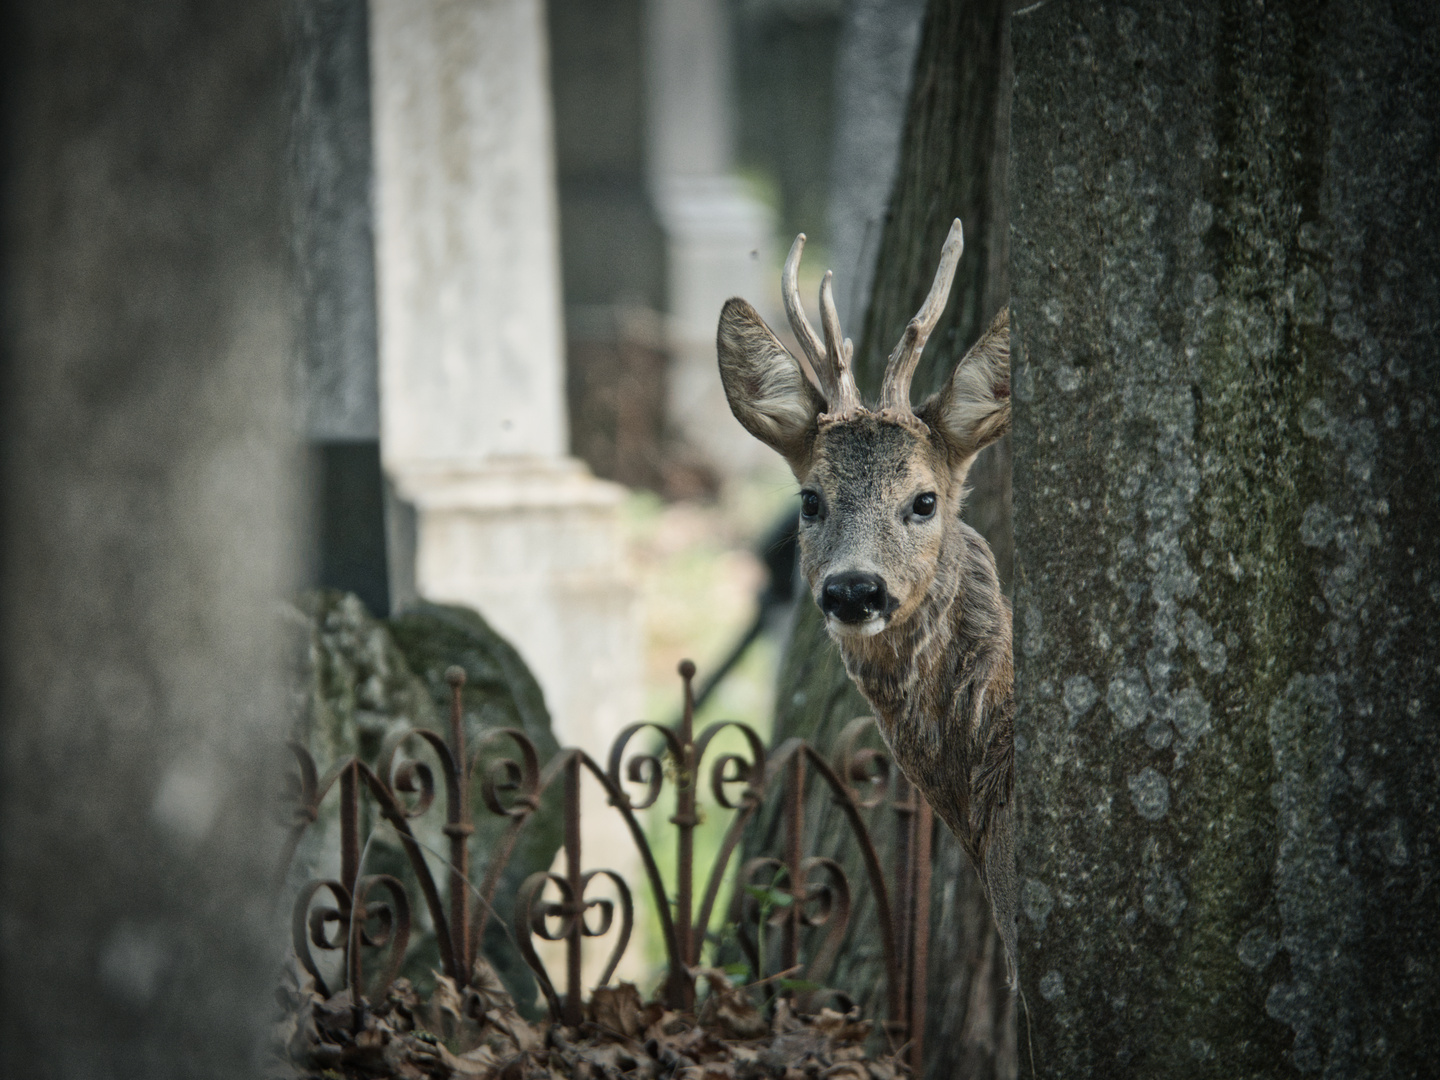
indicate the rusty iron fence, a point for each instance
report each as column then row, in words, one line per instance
column 372, row 914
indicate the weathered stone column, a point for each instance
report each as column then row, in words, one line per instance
column 148, row 462
column 717, row 234
column 1225, row 283
column 339, row 393
column 473, row 427
column 472, row 377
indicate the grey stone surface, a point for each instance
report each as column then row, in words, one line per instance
column 147, row 454
column 467, row 260
column 333, row 234
column 1225, row 293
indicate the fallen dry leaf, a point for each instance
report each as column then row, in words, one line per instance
column 476, row 1033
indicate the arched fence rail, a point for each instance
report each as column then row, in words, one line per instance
column 358, row 916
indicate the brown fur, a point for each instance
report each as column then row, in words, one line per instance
column 938, row 672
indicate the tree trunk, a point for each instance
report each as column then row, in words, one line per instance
column 952, row 164
column 1225, row 280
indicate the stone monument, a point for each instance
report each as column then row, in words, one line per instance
column 717, row 234
column 473, row 427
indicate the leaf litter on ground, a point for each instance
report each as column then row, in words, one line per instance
column 476, row 1033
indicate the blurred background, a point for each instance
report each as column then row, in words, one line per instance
column 518, row 226
column 413, row 301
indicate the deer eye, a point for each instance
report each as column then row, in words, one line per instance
column 809, row 505
column 924, row 505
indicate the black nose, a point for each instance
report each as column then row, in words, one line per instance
column 854, row 597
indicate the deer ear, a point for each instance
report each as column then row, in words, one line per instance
column 767, row 390
column 973, row 409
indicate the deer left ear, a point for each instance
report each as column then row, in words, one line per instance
column 767, row 390
column 973, row 410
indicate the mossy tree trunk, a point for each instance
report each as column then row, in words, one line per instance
column 953, row 159
column 1225, row 281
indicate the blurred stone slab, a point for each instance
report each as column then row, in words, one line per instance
column 717, row 234
column 473, row 418
column 149, row 528
column 337, row 386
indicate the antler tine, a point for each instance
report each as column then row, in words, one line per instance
column 817, row 371
column 838, row 349
column 900, row 368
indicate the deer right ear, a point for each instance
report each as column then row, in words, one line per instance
column 767, row 389
column 973, row 408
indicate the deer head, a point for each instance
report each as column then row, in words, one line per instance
column 880, row 488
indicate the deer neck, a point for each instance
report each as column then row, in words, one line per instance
column 900, row 669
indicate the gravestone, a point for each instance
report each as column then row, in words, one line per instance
column 472, row 390
column 333, row 238
column 472, row 376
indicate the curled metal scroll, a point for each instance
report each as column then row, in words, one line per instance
column 532, row 915
column 312, row 926
column 826, row 903
column 642, row 768
column 863, row 766
column 733, row 768
column 406, row 784
column 412, row 776
column 505, row 777
column 307, row 926
column 730, row 769
column 510, row 788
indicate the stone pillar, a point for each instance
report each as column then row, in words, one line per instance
column 1224, row 270
column 472, row 378
column 611, row 245
column 717, row 235
column 148, row 459
column 334, row 241
column 473, row 426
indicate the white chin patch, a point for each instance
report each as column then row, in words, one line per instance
column 869, row 628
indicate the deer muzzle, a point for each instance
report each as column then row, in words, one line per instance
column 855, row 598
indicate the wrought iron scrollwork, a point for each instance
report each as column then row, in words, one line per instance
column 571, row 910
column 371, row 914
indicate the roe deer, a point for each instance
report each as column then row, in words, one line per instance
column 909, row 591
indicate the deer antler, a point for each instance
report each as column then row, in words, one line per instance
column 829, row 362
column 816, row 370
column 838, row 350
column 900, row 368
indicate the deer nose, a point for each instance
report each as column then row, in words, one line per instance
column 854, row 597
